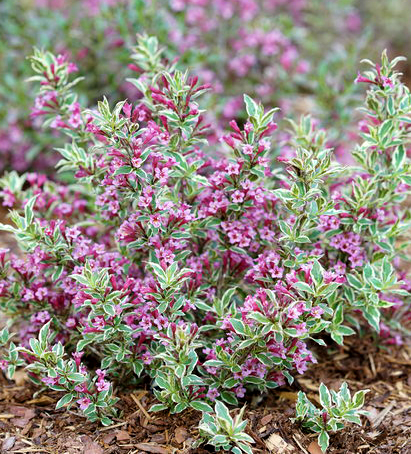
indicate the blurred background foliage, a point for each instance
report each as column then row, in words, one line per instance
column 301, row 55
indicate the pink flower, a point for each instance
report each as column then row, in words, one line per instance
column 50, row 381
column 237, row 197
column 301, row 328
column 84, row 403
column 248, row 127
column 77, row 357
column 240, row 391
column 212, row 394
column 147, row 358
column 248, row 149
column 233, row 169
column 102, row 385
column 316, row 312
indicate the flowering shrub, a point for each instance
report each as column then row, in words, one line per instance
column 203, row 269
column 337, row 408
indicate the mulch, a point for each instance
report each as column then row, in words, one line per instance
column 31, row 424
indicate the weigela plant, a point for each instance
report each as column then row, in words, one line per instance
column 204, row 269
column 222, row 431
column 337, row 408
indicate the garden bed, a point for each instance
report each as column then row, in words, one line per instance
column 33, row 425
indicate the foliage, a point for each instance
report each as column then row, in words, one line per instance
column 222, row 431
column 337, row 408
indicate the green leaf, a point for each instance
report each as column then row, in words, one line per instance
column 358, row 399
column 323, row 440
column 180, row 407
column 238, row 326
column 368, row 272
column 28, row 210
column 11, row 369
column 288, row 376
column 325, row 396
column 43, row 334
column 76, row 377
column 222, row 412
column 257, row 316
column 345, row 330
column 345, row 392
column 372, row 315
column 201, row 406
column 245, row 448
column 384, row 246
column 303, row 286
column 254, row 380
column 385, row 128
column 106, row 421
column 302, row 239
column 387, row 270
column 138, row 367
column 213, row 363
column 229, row 397
column 317, row 272
column 398, row 157
column 163, row 383
column 353, row 418
column 158, row 407
column 228, row 294
column 57, row 273
column 83, row 343
column 338, row 314
column 123, row 170
column 354, row 282
column 251, row 106
column 219, row 440
column 265, row 359
column 285, row 228
column 66, row 399
column 406, row 179
column 283, row 194
column 240, row 435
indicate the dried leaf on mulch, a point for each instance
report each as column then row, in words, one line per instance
column 314, row 448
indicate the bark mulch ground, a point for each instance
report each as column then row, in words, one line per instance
column 31, row 425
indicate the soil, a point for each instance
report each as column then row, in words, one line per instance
column 31, row 425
